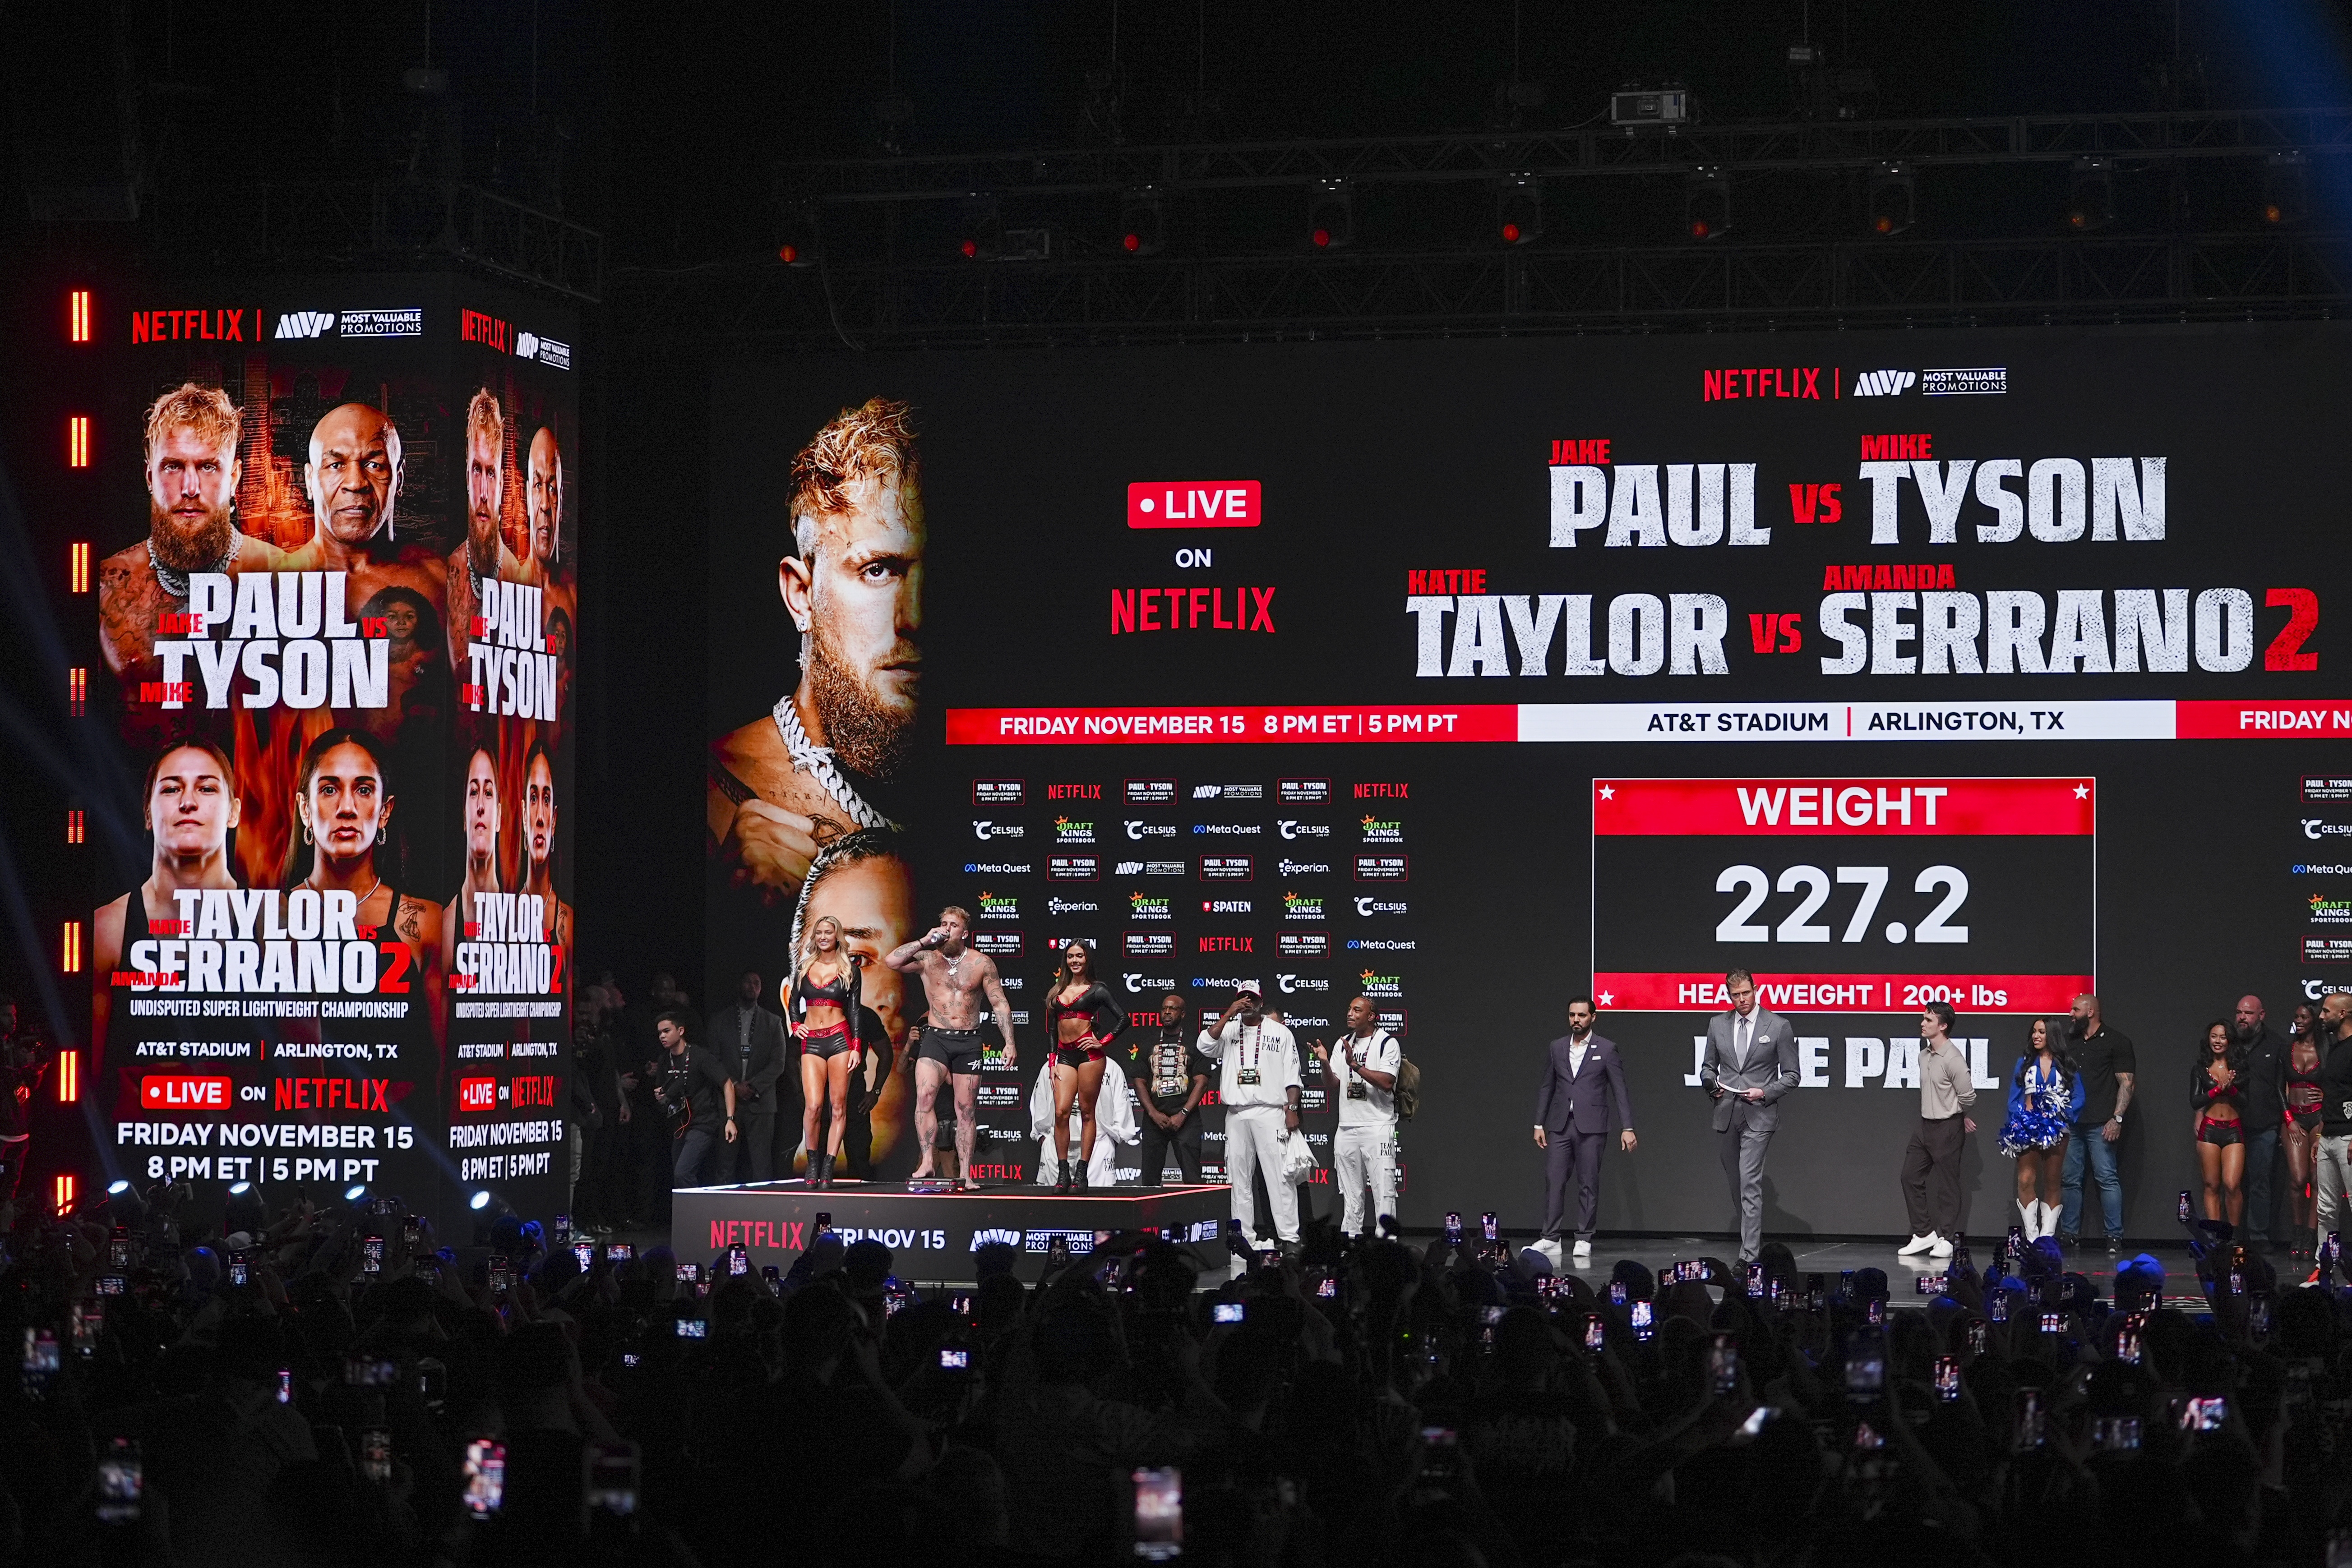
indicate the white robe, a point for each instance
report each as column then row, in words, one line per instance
column 1115, row 1123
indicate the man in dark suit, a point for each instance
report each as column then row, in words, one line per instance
column 750, row 1040
column 1572, row 1122
column 1751, row 1061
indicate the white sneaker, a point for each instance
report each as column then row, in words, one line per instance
column 1943, row 1247
column 1583, row 1251
column 1549, row 1248
column 1917, row 1244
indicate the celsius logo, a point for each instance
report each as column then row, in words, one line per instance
column 1883, row 384
column 1303, row 868
column 2317, row 828
column 994, row 909
column 1291, row 985
column 1291, row 830
column 1378, row 832
column 1299, row 906
column 1150, row 829
column 1382, row 985
column 1072, row 906
column 993, row 1235
column 1065, row 832
column 1225, row 907
column 1137, row 983
column 305, row 324
column 2314, row 989
column 983, row 830
column 1380, row 906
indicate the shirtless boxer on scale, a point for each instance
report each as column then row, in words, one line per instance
column 955, row 979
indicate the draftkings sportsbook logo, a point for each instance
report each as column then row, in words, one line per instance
column 1301, row 906
column 2331, row 911
column 1066, row 831
column 1141, row 907
column 1382, row 985
column 993, row 906
column 1378, row 832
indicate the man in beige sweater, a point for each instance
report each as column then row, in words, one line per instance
column 1931, row 1165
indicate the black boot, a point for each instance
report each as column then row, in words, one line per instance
column 821, row 1172
column 1061, row 1184
column 1079, row 1175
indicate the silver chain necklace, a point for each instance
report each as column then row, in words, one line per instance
column 816, row 761
column 174, row 581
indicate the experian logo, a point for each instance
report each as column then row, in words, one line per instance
column 1885, row 383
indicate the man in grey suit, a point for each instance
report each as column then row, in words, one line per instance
column 750, row 1040
column 1751, row 1062
column 1572, row 1125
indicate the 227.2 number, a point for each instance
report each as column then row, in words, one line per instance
column 1814, row 884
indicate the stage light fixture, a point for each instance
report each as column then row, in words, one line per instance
column 1331, row 216
column 235, row 1188
column 479, row 1201
column 1642, row 109
column 1706, row 202
column 2286, row 194
column 355, row 1192
column 2091, row 194
column 1519, row 210
column 1893, row 199
column 1142, row 221
column 118, row 1186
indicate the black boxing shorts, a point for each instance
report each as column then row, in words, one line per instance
column 958, row 1049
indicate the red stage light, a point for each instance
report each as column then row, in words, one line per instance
column 77, row 567
column 1510, row 234
column 1133, row 242
column 971, row 249
column 78, row 441
column 1322, row 239
column 78, row 690
column 788, row 253
column 65, row 1195
column 77, row 316
column 76, row 825
column 1699, row 229
column 68, row 1077
column 69, row 949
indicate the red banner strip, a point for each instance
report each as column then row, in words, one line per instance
column 2252, row 720
column 1212, row 725
column 1933, row 807
column 1798, row 993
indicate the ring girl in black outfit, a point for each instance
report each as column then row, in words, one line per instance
column 1084, row 1021
column 825, row 998
column 2217, row 1088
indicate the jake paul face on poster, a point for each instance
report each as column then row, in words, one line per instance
column 786, row 785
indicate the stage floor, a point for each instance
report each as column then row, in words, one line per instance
column 932, row 1235
column 1815, row 1256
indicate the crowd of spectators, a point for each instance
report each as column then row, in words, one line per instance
column 340, row 1387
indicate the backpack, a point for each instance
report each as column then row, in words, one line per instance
column 1407, row 1098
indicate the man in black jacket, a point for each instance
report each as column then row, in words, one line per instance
column 1572, row 1125
column 2263, row 1113
column 750, row 1040
column 2332, row 1179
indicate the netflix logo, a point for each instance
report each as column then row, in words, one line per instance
column 473, row 327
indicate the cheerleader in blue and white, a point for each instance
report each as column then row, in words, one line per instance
column 2044, row 1093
